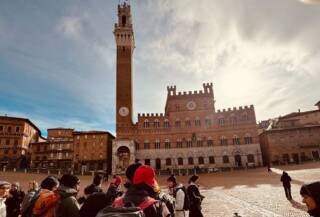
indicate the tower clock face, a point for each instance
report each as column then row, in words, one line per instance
column 123, row 111
column 191, row 105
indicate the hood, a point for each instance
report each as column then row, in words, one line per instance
column 135, row 195
column 65, row 191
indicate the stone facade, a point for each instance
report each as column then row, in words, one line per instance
column 293, row 138
column 15, row 136
column 190, row 133
column 77, row 151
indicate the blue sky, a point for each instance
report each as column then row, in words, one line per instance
column 57, row 58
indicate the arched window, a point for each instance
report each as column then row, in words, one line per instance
column 166, row 123
column 147, row 162
column 189, row 143
column 146, row 144
column 208, row 121
column 211, row 160
column 188, row 122
column 221, row 121
column 190, row 160
column 209, row 142
column 250, row 158
column 157, row 144
column 199, row 143
column 168, row 161
column 179, row 143
column 178, row 123
column 167, row 144
column 247, row 139
column 225, row 159
column 124, row 20
column 244, row 116
column 223, row 140
column 201, row 160
column 236, row 140
column 180, row 161
column 156, row 123
column 146, row 123
column 197, row 122
column 233, row 120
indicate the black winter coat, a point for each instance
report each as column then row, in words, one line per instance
column 14, row 203
column 285, row 179
column 195, row 201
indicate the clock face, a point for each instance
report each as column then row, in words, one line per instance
column 123, row 111
column 191, row 105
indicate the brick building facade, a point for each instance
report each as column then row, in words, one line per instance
column 293, row 138
column 16, row 134
column 79, row 151
column 190, row 133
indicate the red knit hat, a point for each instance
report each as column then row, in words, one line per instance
column 117, row 180
column 145, row 174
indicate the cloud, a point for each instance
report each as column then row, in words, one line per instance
column 70, row 27
column 58, row 60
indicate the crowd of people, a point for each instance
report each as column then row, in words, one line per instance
column 140, row 197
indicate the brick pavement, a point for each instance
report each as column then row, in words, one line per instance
column 252, row 193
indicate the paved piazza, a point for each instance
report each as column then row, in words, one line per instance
column 253, row 193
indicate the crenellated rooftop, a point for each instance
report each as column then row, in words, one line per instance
column 207, row 90
column 235, row 109
column 151, row 115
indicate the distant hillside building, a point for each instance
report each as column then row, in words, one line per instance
column 191, row 132
column 78, row 151
column 293, row 138
column 16, row 134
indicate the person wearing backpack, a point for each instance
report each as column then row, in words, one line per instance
column 179, row 192
column 33, row 190
column 47, row 199
column 140, row 196
column 68, row 190
column 195, row 197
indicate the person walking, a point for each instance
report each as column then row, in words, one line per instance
column 179, row 194
column 311, row 197
column 4, row 193
column 286, row 179
column 195, row 197
column 14, row 200
column 68, row 191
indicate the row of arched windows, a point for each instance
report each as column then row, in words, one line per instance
column 233, row 120
column 189, row 143
column 201, row 160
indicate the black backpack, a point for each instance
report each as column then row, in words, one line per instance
column 119, row 210
column 186, row 204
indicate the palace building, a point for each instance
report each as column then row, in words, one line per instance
column 292, row 138
column 190, row 133
column 16, row 134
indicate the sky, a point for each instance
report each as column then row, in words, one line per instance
column 57, row 58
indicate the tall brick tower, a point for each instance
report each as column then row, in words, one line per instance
column 123, row 147
column 124, row 36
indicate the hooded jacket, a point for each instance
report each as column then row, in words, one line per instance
column 312, row 190
column 69, row 205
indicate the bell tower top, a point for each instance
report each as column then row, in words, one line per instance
column 123, row 30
